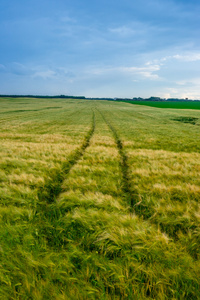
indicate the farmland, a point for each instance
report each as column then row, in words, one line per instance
column 168, row 104
column 99, row 200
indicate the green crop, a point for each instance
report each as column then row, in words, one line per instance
column 99, row 200
column 169, row 104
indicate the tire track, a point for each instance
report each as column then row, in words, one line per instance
column 128, row 192
column 48, row 216
column 131, row 195
column 53, row 185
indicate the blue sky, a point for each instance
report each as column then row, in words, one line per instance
column 107, row 48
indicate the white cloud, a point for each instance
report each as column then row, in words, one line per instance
column 187, row 58
column 145, row 72
column 182, row 92
column 189, row 82
column 123, row 31
column 48, row 74
column 52, row 73
column 67, row 19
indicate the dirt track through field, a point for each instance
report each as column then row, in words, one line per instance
column 48, row 193
column 128, row 193
column 78, row 205
column 53, row 186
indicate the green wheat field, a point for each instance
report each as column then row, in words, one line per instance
column 99, row 200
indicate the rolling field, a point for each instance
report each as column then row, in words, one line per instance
column 99, row 200
column 168, row 104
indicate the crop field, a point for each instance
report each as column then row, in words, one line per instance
column 99, row 200
column 168, row 104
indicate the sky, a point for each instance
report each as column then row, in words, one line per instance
column 107, row 48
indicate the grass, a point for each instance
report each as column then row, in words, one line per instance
column 99, row 200
column 169, row 104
